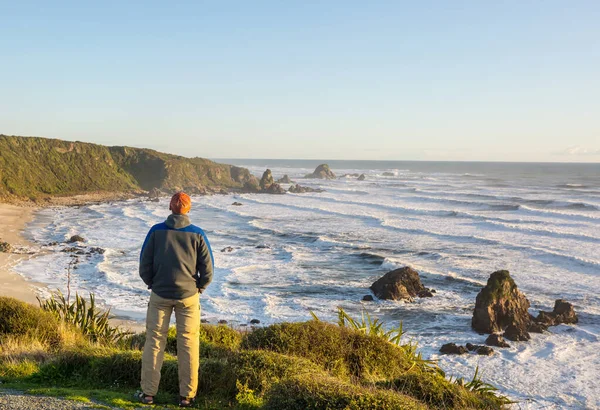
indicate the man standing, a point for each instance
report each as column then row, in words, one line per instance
column 176, row 262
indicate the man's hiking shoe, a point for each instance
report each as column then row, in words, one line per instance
column 143, row 398
column 186, row 401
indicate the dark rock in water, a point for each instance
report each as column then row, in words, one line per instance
column 71, row 249
column 237, row 204
column 452, row 348
column 204, row 321
column 563, row 313
column 535, row 327
column 389, row 174
column 267, row 180
column 496, row 340
column 52, row 244
column 263, row 247
column 362, row 177
column 96, row 250
column 322, row 172
column 368, row 298
column 480, row 349
column 425, row 293
column 285, row 180
column 76, row 238
column 5, row 247
column 432, row 290
column 274, row 189
column 227, row 249
column 500, row 304
column 255, row 322
column 403, row 283
column 516, row 334
column 222, row 322
column 297, row 189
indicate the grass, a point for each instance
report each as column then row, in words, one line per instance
column 310, row 365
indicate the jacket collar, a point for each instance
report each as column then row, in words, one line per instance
column 176, row 221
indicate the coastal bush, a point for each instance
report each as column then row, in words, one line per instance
column 20, row 319
column 325, row 392
column 91, row 321
column 344, row 352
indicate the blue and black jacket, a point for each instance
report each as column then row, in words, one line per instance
column 176, row 259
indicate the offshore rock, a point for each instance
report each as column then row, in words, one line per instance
column 496, row 340
column 267, row 180
column 368, row 298
column 362, row 177
column 284, row 180
column 563, row 313
column 499, row 305
column 516, row 334
column 399, row 284
column 76, row 238
column 480, row 349
column 453, row 348
column 322, row 172
column 297, row 189
column 274, row 189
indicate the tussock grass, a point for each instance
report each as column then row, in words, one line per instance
column 310, row 365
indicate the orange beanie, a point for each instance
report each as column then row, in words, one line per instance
column 181, row 203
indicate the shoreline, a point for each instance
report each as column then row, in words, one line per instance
column 14, row 221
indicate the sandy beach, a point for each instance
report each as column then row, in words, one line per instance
column 13, row 220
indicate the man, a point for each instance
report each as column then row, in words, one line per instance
column 176, row 262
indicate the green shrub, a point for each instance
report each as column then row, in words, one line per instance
column 440, row 393
column 328, row 393
column 22, row 319
column 344, row 352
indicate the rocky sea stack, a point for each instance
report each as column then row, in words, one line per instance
column 499, row 305
column 285, row 180
column 400, row 284
column 322, row 172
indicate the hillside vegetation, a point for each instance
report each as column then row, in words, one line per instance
column 310, row 365
column 34, row 168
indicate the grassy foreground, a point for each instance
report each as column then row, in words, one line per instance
column 309, row 365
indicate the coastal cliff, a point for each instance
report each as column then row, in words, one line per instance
column 34, row 168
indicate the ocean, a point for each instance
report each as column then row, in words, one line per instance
column 454, row 222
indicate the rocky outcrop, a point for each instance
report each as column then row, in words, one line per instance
column 367, row 298
column 267, row 180
column 274, row 189
column 563, row 313
column 322, row 172
column 284, row 180
column 236, row 204
column 5, row 247
column 480, row 349
column 453, row 348
column 76, row 238
column 496, row 340
column 297, row 189
column 362, row 177
column 499, row 305
column 399, row 284
column 516, row 333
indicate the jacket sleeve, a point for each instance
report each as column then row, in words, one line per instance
column 205, row 264
column 147, row 259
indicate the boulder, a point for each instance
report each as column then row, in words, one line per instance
column 563, row 313
column 96, row 251
column 496, row 340
column 267, row 180
column 516, row 334
column 284, row 180
column 367, row 298
column 297, row 189
column 5, row 247
column 227, row 249
column 403, row 283
column 236, row 204
column 535, row 327
column 255, row 322
column 480, row 349
column 499, row 305
column 426, row 293
column 453, row 348
column 274, row 188
column 362, row 177
column 76, row 238
column 322, row 172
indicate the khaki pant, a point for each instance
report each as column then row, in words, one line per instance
column 187, row 316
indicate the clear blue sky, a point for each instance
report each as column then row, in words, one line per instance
column 449, row 80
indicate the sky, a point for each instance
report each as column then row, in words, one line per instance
column 389, row 80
